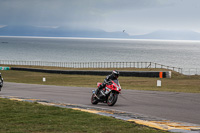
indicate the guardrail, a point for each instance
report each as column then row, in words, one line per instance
column 101, row 65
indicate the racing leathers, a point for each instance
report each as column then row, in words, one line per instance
column 103, row 85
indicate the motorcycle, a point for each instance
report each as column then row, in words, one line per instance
column 108, row 95
column 1, row 82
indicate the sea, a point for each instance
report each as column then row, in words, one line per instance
column 176, row 53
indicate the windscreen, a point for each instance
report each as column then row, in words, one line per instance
column 116, row 81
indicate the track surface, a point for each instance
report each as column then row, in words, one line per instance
column 173, row 106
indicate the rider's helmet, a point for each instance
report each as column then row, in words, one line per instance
column 115, row 73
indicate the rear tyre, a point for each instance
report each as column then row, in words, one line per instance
column 94, row 100
column 112, row 99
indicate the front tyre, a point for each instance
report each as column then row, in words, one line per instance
column 94, row 100
column 112, row 99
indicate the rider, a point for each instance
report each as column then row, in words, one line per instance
column 113, row 76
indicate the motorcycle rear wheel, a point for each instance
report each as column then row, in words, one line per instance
column 94, row 100
column 112, row 99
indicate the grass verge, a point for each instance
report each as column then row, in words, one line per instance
column 23, row 117
column 178, row 82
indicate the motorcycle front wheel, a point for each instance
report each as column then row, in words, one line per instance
column 94, row 100
column 112, row 99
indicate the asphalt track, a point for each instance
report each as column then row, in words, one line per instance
column 184, row 107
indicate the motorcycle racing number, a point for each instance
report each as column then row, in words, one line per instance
column 107, row 90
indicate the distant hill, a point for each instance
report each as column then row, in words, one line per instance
column 58, row 32
column 170, row 35
column 94, row 33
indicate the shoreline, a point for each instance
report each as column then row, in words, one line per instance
column 85, row 38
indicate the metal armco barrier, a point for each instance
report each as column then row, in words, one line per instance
column 91, row 64
column 166, row 74
column 185, row 71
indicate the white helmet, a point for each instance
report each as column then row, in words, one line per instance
column 115, row 73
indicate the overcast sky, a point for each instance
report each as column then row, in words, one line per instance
column 133, row 16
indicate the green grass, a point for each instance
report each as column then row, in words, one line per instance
column 21, row 117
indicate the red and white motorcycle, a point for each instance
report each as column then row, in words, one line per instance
column 108, row 95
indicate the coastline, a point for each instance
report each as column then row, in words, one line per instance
column 85, row 38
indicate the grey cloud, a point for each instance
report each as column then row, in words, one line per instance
column 111, row 15
column 47, row 12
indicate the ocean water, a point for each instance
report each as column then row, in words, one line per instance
column 184, row 54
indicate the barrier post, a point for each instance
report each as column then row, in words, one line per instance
column 44, row 79
column 158, row 82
